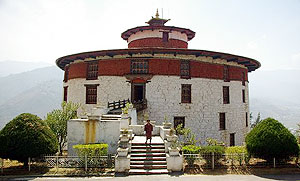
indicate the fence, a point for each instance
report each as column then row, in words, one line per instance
column 55, row 161
column 213, row 160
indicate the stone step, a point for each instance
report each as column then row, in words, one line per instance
column 148, row 167
column 147, row 150
column 147, row 172
column 143, row 158
column 143, row 144
column 148, row 154
column 148, row 162
column 148, row 147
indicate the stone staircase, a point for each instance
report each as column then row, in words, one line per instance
column 148, row 159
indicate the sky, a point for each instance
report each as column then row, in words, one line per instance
column 44, row 30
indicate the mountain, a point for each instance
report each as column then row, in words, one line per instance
column 276, row 94
column 38, row 91
column 15, row 84
column 15, row 67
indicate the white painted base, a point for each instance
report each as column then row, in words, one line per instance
column 122, row 164
column 174, row 163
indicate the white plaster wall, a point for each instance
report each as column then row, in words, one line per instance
column 157, row 34
column 163, row 94
column 111, row 88
column 105, row 132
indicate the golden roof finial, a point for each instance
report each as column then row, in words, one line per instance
column 157, row 15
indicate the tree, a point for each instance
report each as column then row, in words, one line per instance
column 57, row 121
column 257, row 120
column 25, row 136
column 270, row 139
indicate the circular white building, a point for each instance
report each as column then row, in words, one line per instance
column 203, row 90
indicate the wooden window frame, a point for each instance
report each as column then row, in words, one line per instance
column 226, row 73
column 91, row 95
column 185, row 69
column 186, row 93
column 165, row 36
column 226, row 95
column 66, row 93
column 139, row 67
column 232, row 139
column 179, row 120
column 246, row 119
column 92, row 70
column 244, row 96
column 66, row 74
column 222, row 121
column 243, row 78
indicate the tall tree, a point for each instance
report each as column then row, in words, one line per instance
column 25, row 136
column 57, row 121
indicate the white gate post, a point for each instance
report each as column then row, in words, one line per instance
column 29, row 164
column 85, row 162
column 56, row 163
column 274, row 162
column 213, row 161
column 2, row 165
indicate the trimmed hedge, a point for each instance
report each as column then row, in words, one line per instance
column 212, row 149
column 271, row 139
column 191, row 149
column 25, row 136
column 91, row 149
column 236, row 150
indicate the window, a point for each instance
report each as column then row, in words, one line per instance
column 226, row 95
column 186, row 93
column 91, row 94
column 66, row 93
column 232, row 139
column 243, row 78
column 243, row 96
column 226, row 73
column 165, row 36
column 246, row 119
column 66, row 77
column 179, row 120
column 185, row 69
column 139, row 67
column 92, row 71
column 222, row 121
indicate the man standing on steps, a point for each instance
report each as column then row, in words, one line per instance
column 148, row 128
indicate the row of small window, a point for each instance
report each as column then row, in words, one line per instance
column 186, row 94
column 222, row 120
column 142, row 67
column 180, row 120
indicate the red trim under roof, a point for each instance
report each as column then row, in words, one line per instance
column 251, row 64
column 126, row 34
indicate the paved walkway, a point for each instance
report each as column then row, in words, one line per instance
column 291, row 177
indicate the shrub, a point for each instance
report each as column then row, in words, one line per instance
column 207, row 151
column 236, row 150
column 271, row 139
column 237, row 153
column 191, row 149
column 218, row 150
column 91, row 150
column 26, row 136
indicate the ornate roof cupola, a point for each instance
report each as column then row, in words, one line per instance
column 158, row 35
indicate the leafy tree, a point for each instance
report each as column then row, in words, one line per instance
column 186, row 135
column 57, row 121
column 26, row 136
column 271, row 139
column 257, row 120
